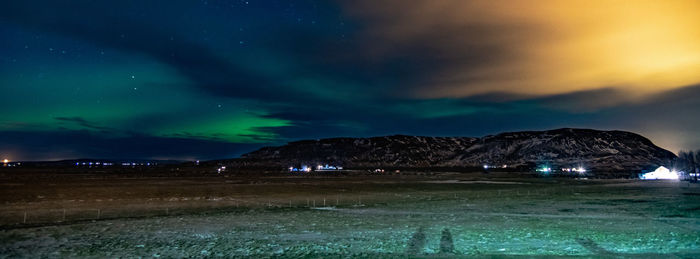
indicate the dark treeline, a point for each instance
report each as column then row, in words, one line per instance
column 689, row 162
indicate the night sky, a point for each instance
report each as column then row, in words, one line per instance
column 215, row 79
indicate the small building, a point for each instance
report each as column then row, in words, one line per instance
column 661, row 173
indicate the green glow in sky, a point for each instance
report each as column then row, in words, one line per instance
column 131, row 95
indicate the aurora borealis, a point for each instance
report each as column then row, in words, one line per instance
column 213, row 79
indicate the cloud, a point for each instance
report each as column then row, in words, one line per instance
column 665, row 117
column 547, row 47
column 84, row 123
column 585, row 101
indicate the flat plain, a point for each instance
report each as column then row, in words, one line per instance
column 412, row 214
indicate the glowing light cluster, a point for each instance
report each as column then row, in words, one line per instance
column 328, row 167
column 302, row 169
column 576, row 170
column 661, row 173
column 99, row 163
column 544, row 169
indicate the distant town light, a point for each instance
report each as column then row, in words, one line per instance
column 5, row 161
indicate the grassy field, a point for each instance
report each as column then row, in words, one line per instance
column 415, row 215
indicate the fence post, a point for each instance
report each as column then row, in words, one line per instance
column 324, row 202
column 24, row 220
column 63, row 218
column 98, row 213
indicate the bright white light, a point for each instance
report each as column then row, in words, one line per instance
column 580, row 170
column 661, row 173
column 486, row 166
column 5, row 161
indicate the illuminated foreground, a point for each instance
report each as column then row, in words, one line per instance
column 388, row 218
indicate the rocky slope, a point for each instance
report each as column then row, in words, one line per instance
column 593, row 149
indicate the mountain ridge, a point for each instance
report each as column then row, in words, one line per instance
column 612, row 150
